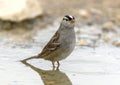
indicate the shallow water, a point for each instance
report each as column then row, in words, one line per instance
column 85, row 66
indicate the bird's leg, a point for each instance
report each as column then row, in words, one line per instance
column 58, row 65
column 53, row 64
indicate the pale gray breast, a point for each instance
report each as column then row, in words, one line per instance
column 68, row 40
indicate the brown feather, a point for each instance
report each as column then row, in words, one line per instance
column 52, row 45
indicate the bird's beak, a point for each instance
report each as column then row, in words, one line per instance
column 72, row 21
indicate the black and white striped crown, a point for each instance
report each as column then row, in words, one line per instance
column 68, row 18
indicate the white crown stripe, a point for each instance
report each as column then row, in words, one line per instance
column 71, row 16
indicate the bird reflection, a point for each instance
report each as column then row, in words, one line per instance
column 50, row 77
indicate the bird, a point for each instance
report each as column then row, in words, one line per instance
column 61, row 44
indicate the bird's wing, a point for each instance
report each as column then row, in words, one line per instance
column 52, row 45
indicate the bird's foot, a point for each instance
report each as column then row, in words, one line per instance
column 55, row 67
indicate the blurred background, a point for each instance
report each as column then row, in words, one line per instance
column 21, row 19
column 27, row 25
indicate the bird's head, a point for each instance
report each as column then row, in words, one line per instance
column 68, row 21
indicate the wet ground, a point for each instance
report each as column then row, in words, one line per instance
column 91, row 63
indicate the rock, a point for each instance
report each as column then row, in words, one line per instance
column 116, row 43
column 118, row 17
column 82, row 42
column 18, row 10
column 84, row 13
column 96, row 11
column 106, row 39
column 108, row 26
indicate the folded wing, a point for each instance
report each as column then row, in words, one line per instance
column 52, row 45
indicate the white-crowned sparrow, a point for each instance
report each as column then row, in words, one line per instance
column 61, row 44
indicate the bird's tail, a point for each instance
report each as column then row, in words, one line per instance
column 33, row 57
